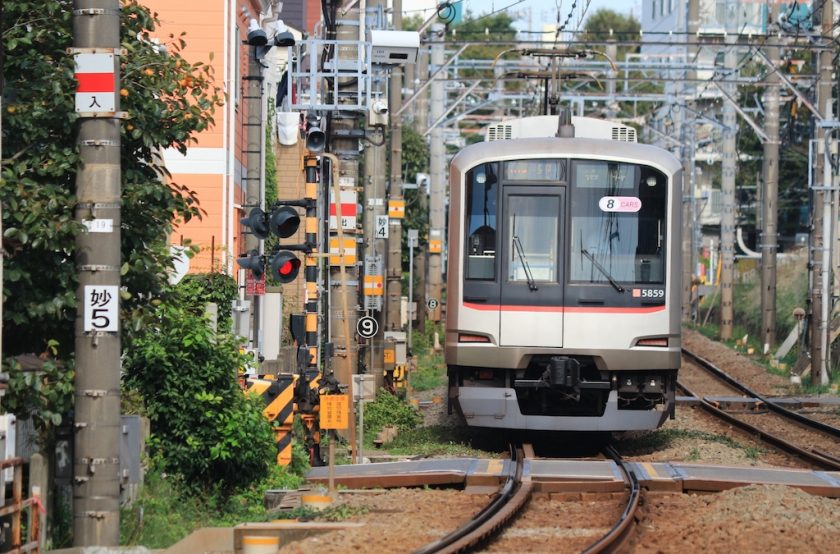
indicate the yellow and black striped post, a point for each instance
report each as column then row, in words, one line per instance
column 279, row 398
column 308, row 408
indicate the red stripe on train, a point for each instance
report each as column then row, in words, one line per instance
column 562, row 309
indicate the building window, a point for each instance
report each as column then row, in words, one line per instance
column 653, row 10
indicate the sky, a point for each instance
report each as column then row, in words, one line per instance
column 539, row 12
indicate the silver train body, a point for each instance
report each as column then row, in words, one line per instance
column 564, row 282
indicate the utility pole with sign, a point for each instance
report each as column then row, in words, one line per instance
column 96, row 462
column 413, row 239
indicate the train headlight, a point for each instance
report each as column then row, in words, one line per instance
column 651, row 181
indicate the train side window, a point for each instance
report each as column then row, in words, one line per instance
column 482, row 193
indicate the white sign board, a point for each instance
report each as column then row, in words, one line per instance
column 95, row 83
column 99, row 225
column 102, row 304
column 381, row 227
column 348, row 210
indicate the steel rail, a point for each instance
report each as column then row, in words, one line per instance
column 772, row 406
column 769, row 438
column 618, row 535
column 513, row 495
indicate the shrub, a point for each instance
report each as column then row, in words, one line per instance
column 387, row 409
column 203, row 427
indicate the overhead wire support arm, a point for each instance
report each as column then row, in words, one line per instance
column 431, row 78
column 789, row 84
column 451, row 107
column 758, row 130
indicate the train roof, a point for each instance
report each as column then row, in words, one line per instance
column 517, row 149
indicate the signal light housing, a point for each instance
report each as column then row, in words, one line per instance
column 284, row 266
column 254, row 262
column 257, row 222
column 284, row 221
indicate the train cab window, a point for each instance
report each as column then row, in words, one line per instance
column 618, row 216
column 482, row 191
column 532, row 238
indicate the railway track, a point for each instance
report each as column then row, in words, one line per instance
column 620, row 533
column 812, row 441
column 513, row 495
column 516, row 492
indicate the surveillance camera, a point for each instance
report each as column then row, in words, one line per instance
column 378, row 113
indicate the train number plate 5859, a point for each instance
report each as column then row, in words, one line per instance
column 648, row 293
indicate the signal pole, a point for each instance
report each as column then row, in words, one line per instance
column 727, row 220
column 688, row 128
column 437, row 176
column 346, row 150
column 374, row 205
column 770, row 193
column 253, row 124
column 821, row 220
column 393, row 297
column 96, row 463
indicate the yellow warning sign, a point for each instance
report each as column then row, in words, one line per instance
column 349, row 257
column 334, row 411
column 390, row 355
column 396, row 209
column 374, row 285
column 435, row 246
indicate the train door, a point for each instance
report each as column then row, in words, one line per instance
column 531, row 311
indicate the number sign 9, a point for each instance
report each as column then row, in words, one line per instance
column 367, row 327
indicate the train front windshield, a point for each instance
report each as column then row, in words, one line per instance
column 610, row 217
column 617, row 230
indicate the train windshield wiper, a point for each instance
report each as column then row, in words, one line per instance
column 600, row 268
column 517, row 245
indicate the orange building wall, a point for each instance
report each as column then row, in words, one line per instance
column 204, row 24
column 203, row 21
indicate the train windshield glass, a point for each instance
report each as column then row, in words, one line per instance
column 482, row 197
column 618, row 213
column 532, row 242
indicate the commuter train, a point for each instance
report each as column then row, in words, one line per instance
column 564, row 279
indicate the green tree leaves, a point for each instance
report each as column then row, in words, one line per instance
column 204, row 428
column 168, row 100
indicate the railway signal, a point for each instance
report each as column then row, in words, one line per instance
column 283, row 221
column 253, row 261
column 284, row 266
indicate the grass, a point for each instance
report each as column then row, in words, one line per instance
column 430, row 372
column 167, row 511
column 437, row 440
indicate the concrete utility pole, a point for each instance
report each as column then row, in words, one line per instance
column 769, row 196
column 393, row 297
column 821, row 221
column 254, row 135
column 346, row 149
column 374, row 206
column 420, row 108
column 437, row 224
column 688, row 132
column 96, row 463
column 727, row 220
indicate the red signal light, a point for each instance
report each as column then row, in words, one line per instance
column 284, row 266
